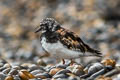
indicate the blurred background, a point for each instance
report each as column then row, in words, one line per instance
column 97, row 22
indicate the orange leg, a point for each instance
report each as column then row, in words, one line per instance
column 63, row 61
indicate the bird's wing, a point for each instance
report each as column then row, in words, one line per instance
column 74, row 42
column 71, row 40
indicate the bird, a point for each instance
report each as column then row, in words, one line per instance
column 61, row 43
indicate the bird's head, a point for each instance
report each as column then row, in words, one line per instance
column 48, row 24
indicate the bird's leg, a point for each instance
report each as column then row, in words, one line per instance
column 63, row 61
column 72, row 62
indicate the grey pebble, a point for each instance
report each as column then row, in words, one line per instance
column 60, row 76
column 73, row 78
column 2, row 76
column 7, row 65
column 95, row 67
column 63, row 71
column 36, row 79
column 6, row 71
column 43, row 74
column 34, row 72
column 61, row 66
column 48, row 68
column 35, row 67
column 13, row 72
column 2, row 68
column 1, row 64
column 16, row 67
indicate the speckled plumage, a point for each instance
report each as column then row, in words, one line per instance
column 62, row 43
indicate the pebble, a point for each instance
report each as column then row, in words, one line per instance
column 16, row 67
column 24, row 74
column 35, row 67
column 13, row 71
column 2, row 76
column 43, row 75
column 2, row 68
column 54, row 71
column 6, row 71
column 9, row 77
column 41, row 62
column 94, row 68
column 16, row 77
column 34, row 72
column 109, row 62
column 63, row 71
column 60, row 76
column 62, row 66
column 74, row 78
column 76, row 69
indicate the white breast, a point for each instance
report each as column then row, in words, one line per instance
column 57, row 50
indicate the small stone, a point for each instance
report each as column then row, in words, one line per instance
column 43, row 75
column 13, row 72
column 76, row 69
column 2, row 76
column 94, row 68
column 73, row 77
column 7, row 65
column 49, row 67
column 63, row 71
column 16, row 67
column 9, row 78
column 6, row 71
column 104, row 78
column 16, row 77
column 61, row 66
column 1, row 64
column 60, row 76
column 54, row 71
column 2, row 68
column 109, row 62
column 34, row 72
column 41, row 62
column 35, row 67
column 24, row 74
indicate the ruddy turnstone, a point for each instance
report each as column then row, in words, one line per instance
column 62, row 43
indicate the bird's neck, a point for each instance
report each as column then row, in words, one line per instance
column 51, row 37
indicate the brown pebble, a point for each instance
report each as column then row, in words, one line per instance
column 54, row 71
column 41, row 62
column 24, row 74
column 108, row 62
column 9, row 78
column 103, row 78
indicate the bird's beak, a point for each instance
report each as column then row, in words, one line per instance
column 38, row 29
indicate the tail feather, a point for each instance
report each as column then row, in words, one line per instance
column 96, row 52
column 93, row 51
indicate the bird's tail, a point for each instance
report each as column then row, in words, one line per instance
column 93, row 51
